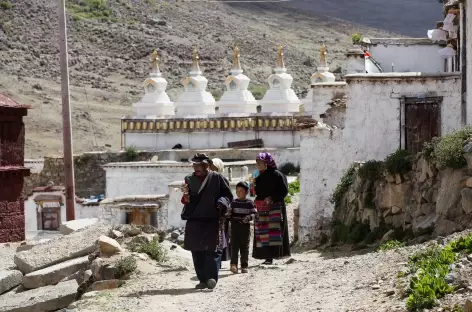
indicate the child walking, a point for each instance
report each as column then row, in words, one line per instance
column 241, row 213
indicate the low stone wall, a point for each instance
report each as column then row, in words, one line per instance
column 422, row 202
column 89, row 174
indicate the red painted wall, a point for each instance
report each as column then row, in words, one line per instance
column 12, row 172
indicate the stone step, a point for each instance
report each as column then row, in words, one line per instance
column 49, row 298
column 9, row 279
column 54, row 274
column 60, row 249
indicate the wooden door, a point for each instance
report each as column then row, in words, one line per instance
column 422, row 122
column 138, row 217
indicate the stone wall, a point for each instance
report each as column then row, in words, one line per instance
column 419, row 203
column 89, row 174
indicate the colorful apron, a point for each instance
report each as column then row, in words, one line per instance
column 268, row 224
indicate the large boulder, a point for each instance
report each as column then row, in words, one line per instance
column 75, row 245
column 108, row 246
column 72, row 226
column 54, row 274
column 49, row 298
column 9, row 279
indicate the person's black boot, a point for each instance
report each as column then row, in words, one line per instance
column 201, row 286
column 211, row 283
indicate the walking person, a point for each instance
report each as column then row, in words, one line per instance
column 241, row 213
column 271, row 240
column 206, row 199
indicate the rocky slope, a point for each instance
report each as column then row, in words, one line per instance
column 109, row 56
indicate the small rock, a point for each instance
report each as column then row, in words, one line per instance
column 180, row 240
column 175, row 234
column 116, row 234
column 469, row 257
column 290, row 261
column 90, row 294
column 96, row 268
column 450, row 278
column 108, row 245
column 109, row 284
column 87, row 275
column 376, row 286
column 390, row 293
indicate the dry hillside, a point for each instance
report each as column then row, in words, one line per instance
column 109, row 47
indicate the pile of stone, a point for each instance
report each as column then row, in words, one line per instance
column 176, row 236
column 50, row 275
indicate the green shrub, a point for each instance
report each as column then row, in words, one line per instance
column 293, row 188
column 5, row 5
column 346, row 181
column 125, row 266
column 217, row 94
column 153, row 249
column 430, row 268
column 289, row 168
column 356, row 38
column 258, row 91
column 89, row 9
column 428, row 150
column 370, row 170
column 131, row 153
column 449, row 149
column 390, row 245
column 399, row 162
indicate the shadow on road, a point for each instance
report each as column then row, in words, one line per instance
column 157, row 292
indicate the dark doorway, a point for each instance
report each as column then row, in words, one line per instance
column 422, row 122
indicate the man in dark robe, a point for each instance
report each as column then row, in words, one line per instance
column 206, row 201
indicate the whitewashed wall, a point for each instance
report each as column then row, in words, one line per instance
column 209, row 140
column 320, row 95
column 408, row 56
column 372, row 131
column 468, row 39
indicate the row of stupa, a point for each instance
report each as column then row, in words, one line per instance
column 237, row 99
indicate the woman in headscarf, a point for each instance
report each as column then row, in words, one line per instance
column 271, row 240
column 217, row 165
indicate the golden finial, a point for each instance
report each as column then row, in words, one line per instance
column 280, row 57
column 155, row 61
column 236, row 63
column 323, row 55
column 195, row 66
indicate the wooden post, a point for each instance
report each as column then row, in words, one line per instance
column 66, row 116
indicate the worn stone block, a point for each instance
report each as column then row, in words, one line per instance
column 75, row 245
column 108, row 245
column 75, row 225
column 108, row 284
column 9, row 279
column 54, row 274
column 49, row 298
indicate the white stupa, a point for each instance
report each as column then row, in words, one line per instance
column 322, row 75
column 195, row 100
column 280, row 98
column 155, row 102
column 322, row 71
column 237, row 98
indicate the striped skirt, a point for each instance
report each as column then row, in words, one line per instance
column 268, row 224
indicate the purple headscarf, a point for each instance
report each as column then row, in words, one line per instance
column 268, row 159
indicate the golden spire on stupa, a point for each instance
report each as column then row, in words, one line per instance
column 195, row 65
column 236, row 62
column 280, row 57
column 155, row 61
column 323, row 54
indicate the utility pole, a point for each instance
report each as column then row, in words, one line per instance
column 66, row 117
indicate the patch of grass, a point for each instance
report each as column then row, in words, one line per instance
column 153, row 249
column 89, row 9
column 370, row 170
column 430, row 268
column 258, row 91
column 217, row 94
column 131, row 153
column 346, row 181
column 125, row 266
column 448, row 150
column 5, row 5
column 390, row 245
column 399, row 162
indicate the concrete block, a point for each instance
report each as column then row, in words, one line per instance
column 49, row 298
column 54, row 274
column 75, row 245
column 72, row 226
column 9, row 279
